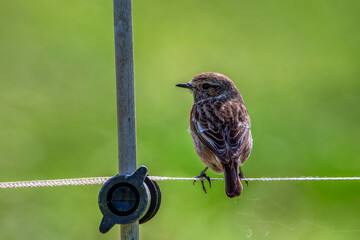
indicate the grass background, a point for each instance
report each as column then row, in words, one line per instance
column 295, row 63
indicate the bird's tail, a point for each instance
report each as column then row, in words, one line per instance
column 233, row 185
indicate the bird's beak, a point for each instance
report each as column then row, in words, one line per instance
column 184, row 85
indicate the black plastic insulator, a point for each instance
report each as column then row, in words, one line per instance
column 125, row 199
column 155, row 193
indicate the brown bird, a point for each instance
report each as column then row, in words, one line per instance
column 220, row 128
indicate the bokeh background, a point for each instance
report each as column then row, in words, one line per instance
column 297, row 65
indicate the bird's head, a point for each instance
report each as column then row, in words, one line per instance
column 211, row 85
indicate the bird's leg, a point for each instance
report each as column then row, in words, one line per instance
column 201, row 178
column 242, row 177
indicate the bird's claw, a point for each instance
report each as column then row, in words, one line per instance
column 203, row 177
column 242, row 177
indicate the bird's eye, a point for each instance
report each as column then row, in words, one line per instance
column 205, row 86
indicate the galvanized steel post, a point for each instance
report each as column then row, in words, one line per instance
column 125, row 94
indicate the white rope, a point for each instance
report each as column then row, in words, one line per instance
column 102, row 180
column 55, row 183
column 264, row 179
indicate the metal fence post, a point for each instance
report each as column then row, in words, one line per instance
column 125, row 95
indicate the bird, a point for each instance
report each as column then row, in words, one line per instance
column 220, row 128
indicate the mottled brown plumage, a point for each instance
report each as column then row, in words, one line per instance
column 220, row 127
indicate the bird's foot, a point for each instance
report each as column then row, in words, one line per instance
column 242, row 177
column 203, row 177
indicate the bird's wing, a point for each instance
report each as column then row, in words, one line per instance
column 225, row 137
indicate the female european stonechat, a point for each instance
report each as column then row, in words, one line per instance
column 220, row 128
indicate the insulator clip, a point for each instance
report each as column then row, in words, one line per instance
column 125, row 199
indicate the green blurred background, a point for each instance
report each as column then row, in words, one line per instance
column 297, row 65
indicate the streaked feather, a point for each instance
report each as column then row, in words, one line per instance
column 227, row 136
